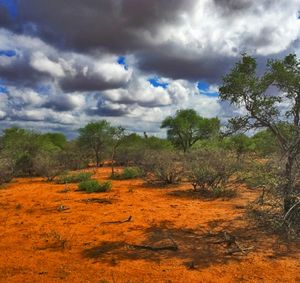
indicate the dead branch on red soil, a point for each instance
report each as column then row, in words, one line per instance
column 119, row 221
column 96, row 200
column 233, row 245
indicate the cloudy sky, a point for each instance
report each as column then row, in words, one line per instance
column 64, row 63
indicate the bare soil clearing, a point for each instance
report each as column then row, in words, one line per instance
column 136, row 233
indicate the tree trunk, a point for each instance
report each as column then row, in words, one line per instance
column 289, row 200
column 113, row 162
column 97, row 160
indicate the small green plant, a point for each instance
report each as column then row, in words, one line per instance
column 93, row 186
column 73, row 178
column 127, row 174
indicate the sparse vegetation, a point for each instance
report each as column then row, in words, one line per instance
column 210, row 170
column 93, row 186
column 73, row 178
column 165, row 167
column 127, row 174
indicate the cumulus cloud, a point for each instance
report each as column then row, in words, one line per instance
column 65, row 68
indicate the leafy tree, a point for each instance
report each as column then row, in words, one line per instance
column 269, row 101
column 264, row 143
column 96, row 136
column 23, row 146
column 240, row 144
column 57, row 140
column 187, row 127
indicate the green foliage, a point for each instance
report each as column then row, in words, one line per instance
column 73, row 178
column 24, row 146
column 47, row 165
column 95, row 137
column 133, row 148
column 127, row 174
column 163, row 166
column 262, row 174
column 210, row 170
column 187, row 127
column 73, row 157
column 57, row 140
column 240, row 144
column 93, row 186
column 6, row 169
column 262, row 98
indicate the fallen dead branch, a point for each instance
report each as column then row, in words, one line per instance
column 96, row 200
column 152, row 248
column 233, row 245
column 119, row 221
column 172, row 247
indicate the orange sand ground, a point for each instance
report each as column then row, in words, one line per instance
column 39, row 243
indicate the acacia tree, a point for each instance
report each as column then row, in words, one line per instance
column 96, row 136
column 270, row 101
column 187, row 127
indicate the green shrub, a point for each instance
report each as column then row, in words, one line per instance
column 93, row 186
column 73, row 178
column 6, row 169
column 210, row 169
column 127, row 174
column 164, row 166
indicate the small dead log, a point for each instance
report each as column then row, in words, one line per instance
column 96, row 200
column 155, row 249
column 119, row 221
column 172, row 247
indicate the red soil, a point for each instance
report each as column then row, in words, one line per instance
column 41, row 243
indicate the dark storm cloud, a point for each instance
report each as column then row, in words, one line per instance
column 5, row 19
column 107, row 112
column 60, row 103
column 88, row 83
column 212, row 68
column 230, row 7
column 20, row 73
column 131, row 26
column 90, row 24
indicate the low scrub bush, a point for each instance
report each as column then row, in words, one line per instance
column 210, row 169
column 6, row 170
column 127, row 174
column 47, row 165
column 163, row 166
column 73, row 178
column 93, row 186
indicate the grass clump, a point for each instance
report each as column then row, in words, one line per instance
column 93, row 186
column 73, row 178
column 127, row 174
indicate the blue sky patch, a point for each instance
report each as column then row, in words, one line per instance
column 204, row 88
column 8, row 53
column 43, row 89
column 11, row 7
column 156, row 82
column 3, row 89
column 122, row 61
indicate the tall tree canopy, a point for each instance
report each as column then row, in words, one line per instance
column 187, row 127
column 270, row 101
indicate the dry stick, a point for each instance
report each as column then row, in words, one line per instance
column 229, row 239
column 289, row 211
column 173, row 247
column 118, row 222
column 142, row 247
